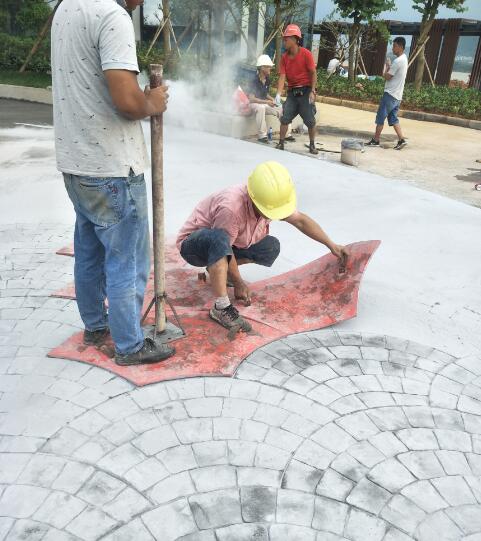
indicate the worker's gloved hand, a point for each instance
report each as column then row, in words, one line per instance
column 278, row 101
column 241, row 292
column 157, row 98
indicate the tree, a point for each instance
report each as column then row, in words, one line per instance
column 360, row 11
column 284, row 11
column 23, row 17
column 166, row 30
column 429, row 9
column 40, row 37
column 334, row 38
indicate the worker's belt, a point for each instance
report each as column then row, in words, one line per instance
column 299, row 91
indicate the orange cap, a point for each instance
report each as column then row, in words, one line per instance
column 292, row 30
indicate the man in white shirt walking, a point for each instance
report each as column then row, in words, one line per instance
column 395, row 76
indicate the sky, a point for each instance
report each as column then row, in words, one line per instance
column 406, row 13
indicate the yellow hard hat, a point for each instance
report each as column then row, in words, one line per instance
column 272, row 191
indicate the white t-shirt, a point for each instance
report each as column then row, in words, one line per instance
column 332, row 67
column 91, row 137
column 398, row 70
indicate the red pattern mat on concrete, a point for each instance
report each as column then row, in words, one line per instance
column 311, row 297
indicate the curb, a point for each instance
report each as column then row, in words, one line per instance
column 26, row 93
column 412, row 115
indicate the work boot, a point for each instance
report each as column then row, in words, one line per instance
column 95, row 338
column 312, row 148
column 372, row 143
column 401, row 144
column 280, row 145
column 230, row 318
column 149, row 353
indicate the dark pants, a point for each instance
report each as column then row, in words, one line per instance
column 204, row 247
column 299, row 105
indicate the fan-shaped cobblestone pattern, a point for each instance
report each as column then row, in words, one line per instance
column 320, row 436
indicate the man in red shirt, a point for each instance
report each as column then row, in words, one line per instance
column 299, row 69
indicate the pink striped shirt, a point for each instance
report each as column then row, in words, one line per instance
column 232, row 210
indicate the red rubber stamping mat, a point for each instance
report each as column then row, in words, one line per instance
column 311, row 297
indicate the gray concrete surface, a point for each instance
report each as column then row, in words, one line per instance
column 439, row 157
column 369, row 432
column 322, row 436
column 15, row 112
column 26, row 93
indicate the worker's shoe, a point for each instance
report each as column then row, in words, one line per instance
column 401, row 144
column 263, row 140
column 280, row 145
column 148, row 354
column 312, row 148
column 372, row 143
column 290, row 139
column 95, row 338
column 230, row 318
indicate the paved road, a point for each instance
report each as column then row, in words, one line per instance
column 13, row 112
column 323, row 436
column 440, row 158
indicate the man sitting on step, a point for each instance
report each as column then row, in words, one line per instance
column 261, row 102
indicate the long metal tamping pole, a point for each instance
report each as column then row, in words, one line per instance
column 157, row 152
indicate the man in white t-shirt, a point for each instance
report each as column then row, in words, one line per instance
column 333, row 65
column 97, row 105
column 395, row 76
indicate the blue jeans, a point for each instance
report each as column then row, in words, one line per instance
column 389, row 108
column 112, row 254
column 204, row 247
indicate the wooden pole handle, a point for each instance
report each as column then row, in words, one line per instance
column 157, row 152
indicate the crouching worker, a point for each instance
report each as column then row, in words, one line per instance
column 231, row 228
column 260, row 101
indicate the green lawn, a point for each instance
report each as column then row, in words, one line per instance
column 29, row 78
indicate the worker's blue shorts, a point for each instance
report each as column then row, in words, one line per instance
column 388, row 108
column 204, row 247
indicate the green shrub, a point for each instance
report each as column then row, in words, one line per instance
column 31, row 16
column 155, row 57
column 174, row 68
column 28, row 78
column 23, row 17
column 14, row 51
column 463, row 102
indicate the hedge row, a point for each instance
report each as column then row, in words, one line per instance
column 14, row 51
column 439, row 99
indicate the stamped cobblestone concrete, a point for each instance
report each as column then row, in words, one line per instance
column 322, row 436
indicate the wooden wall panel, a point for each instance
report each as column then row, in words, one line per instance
column 448, row 52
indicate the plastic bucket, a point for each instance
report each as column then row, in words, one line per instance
column 351, row 151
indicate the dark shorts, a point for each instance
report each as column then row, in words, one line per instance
column 205, row 247
column 299, row 105
column 388, row 108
